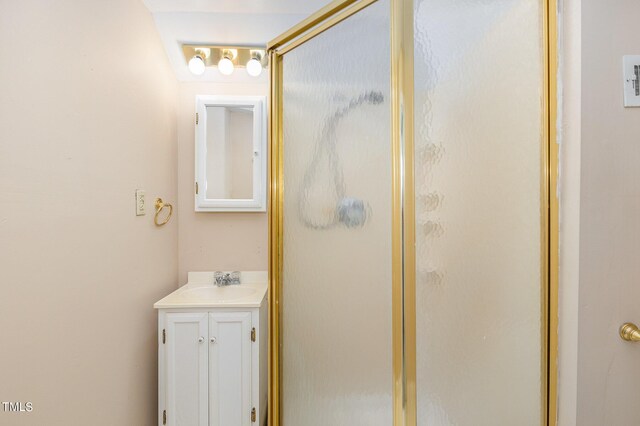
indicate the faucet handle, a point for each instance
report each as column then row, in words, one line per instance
column 226, row 278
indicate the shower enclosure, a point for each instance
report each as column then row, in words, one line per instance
column 413, row 226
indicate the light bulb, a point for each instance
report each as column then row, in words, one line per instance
column 225, row 66
column 254, row 67
column 196, row 65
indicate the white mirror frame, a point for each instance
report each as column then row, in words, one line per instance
column 259, row 201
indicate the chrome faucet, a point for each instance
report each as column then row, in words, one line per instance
column 222, row 279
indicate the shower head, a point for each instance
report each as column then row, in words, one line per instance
column 350, row 211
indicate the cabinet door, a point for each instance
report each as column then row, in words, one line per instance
column 187, row 375
column 230, row 369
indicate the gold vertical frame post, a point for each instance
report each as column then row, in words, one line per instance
column 551, row 213
column 276, row 190
column 403, row 215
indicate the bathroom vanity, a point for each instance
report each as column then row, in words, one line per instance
column 212, row 352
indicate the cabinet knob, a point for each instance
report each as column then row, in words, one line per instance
column 213, row 340
column 201, row 339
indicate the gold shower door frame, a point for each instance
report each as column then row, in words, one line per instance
column 403, row 214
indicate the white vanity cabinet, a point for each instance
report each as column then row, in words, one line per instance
column 212, row 360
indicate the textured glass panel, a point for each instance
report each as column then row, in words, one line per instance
column 337, row 226
column 478, row 74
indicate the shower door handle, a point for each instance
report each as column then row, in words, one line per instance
column 630, row 332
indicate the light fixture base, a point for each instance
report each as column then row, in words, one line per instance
column 239, row 55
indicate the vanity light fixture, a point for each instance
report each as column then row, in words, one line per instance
column 197, row 61
column 225, row 58
column 254, row 65
column 196, row 65
column 225, row 64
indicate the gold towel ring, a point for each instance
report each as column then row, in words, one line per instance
column 159, row 206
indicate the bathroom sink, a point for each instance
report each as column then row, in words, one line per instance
column 217, row 294
column 200, row 292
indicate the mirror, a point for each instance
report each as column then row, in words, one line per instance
column 231, row 147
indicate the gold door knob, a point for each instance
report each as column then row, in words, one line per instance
column 630, row 332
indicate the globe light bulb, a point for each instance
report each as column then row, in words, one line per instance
column 196, row 65
column 225, row 66
column 254, row 67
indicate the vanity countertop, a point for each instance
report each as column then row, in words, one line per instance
column 200, row 292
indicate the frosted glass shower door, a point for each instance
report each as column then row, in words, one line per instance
column 336, row 272
column 479, row 137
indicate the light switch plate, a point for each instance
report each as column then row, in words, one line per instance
column 631, row 67
column 140, row 202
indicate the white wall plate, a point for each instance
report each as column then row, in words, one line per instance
column 631, row 67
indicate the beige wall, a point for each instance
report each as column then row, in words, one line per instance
column 608, row 372
column 87, row 115
column 214, row 241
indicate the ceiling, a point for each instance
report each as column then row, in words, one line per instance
column 233, row 22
